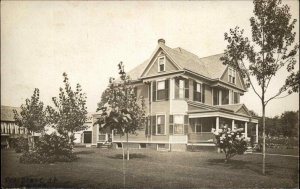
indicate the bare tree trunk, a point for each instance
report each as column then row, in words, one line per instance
column 124, row 173
column 127, row 146
column 264, row 138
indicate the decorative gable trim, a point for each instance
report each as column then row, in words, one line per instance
column 153, row 59
column 243, row 109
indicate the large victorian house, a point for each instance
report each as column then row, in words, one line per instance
column 186, row 96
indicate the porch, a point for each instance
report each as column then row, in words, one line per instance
column 199, row 131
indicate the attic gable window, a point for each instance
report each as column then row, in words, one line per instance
column 231, row 75
column 161, row 64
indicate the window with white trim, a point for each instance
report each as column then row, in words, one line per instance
column 178, row 124
column 215, row 96
column 198, row 92
column 160, row 124
column 161, row 86
column 161, row 64
column 236, row 98
column 181, row 88
column 231, row 75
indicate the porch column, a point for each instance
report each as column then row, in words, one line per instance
column 217, row 123
column 220, row 97
column 246, row 130
column 106, row 137
column 256, row 140
column 5, row 130
column 232, row 125
column 112, row 135
column 217, row 128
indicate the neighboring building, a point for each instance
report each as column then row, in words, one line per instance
column 9, row 129
column 187, row 96
column 91, row 135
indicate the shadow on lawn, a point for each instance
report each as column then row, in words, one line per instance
column 132, row 156
column 238, row 164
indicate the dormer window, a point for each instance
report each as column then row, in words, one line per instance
column 231, row 75
column 161, row 64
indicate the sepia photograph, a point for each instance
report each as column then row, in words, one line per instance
column 150, row 94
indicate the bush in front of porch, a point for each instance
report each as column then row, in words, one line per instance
column 231, row 142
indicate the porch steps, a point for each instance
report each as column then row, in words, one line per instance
column 104, row 146
column 249, row 150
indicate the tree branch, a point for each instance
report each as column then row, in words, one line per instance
column 248, row 76
column 276, row 96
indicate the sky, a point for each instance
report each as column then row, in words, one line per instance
column 87, row 39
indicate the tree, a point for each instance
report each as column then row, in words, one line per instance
column 121, row 110
column 32, row 116
column 231, row 142
column 289, row 121
column 69, row 112
column 271, row 49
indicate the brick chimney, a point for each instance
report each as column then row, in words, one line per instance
column 161, row 41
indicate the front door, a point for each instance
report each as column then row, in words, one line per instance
column 87, row 137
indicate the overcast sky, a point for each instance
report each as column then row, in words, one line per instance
column 87, row 39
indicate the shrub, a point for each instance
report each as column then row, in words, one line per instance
column 49, row 149
column 20, row 144
column 231, row 142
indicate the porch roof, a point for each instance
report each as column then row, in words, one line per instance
column 233, row 111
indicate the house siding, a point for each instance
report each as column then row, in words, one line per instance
column 94, row 134
column 208, row 95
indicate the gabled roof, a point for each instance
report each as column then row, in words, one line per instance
column 231, row 108
column 211, row 66
column 187, row 60
column 214, row 65
column 235, row 108
column 137, row 71
column 7, row 113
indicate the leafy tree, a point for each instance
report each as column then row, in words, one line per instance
column 121, row 110
column 271, row 49
column 289, row 121
column 69, row 112
column 231, row 142
column 32, row 116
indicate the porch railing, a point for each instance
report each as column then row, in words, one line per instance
column 204, row 137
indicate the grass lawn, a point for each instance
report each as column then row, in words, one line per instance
column 102, row 168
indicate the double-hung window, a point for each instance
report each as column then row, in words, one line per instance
column 231, row 75
column 181, row 88
column 161, row 90
column 178, row 124
column 160, row 124
column 215, row 96
column 198, row 92
column 161, row 64
column 236, row 97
